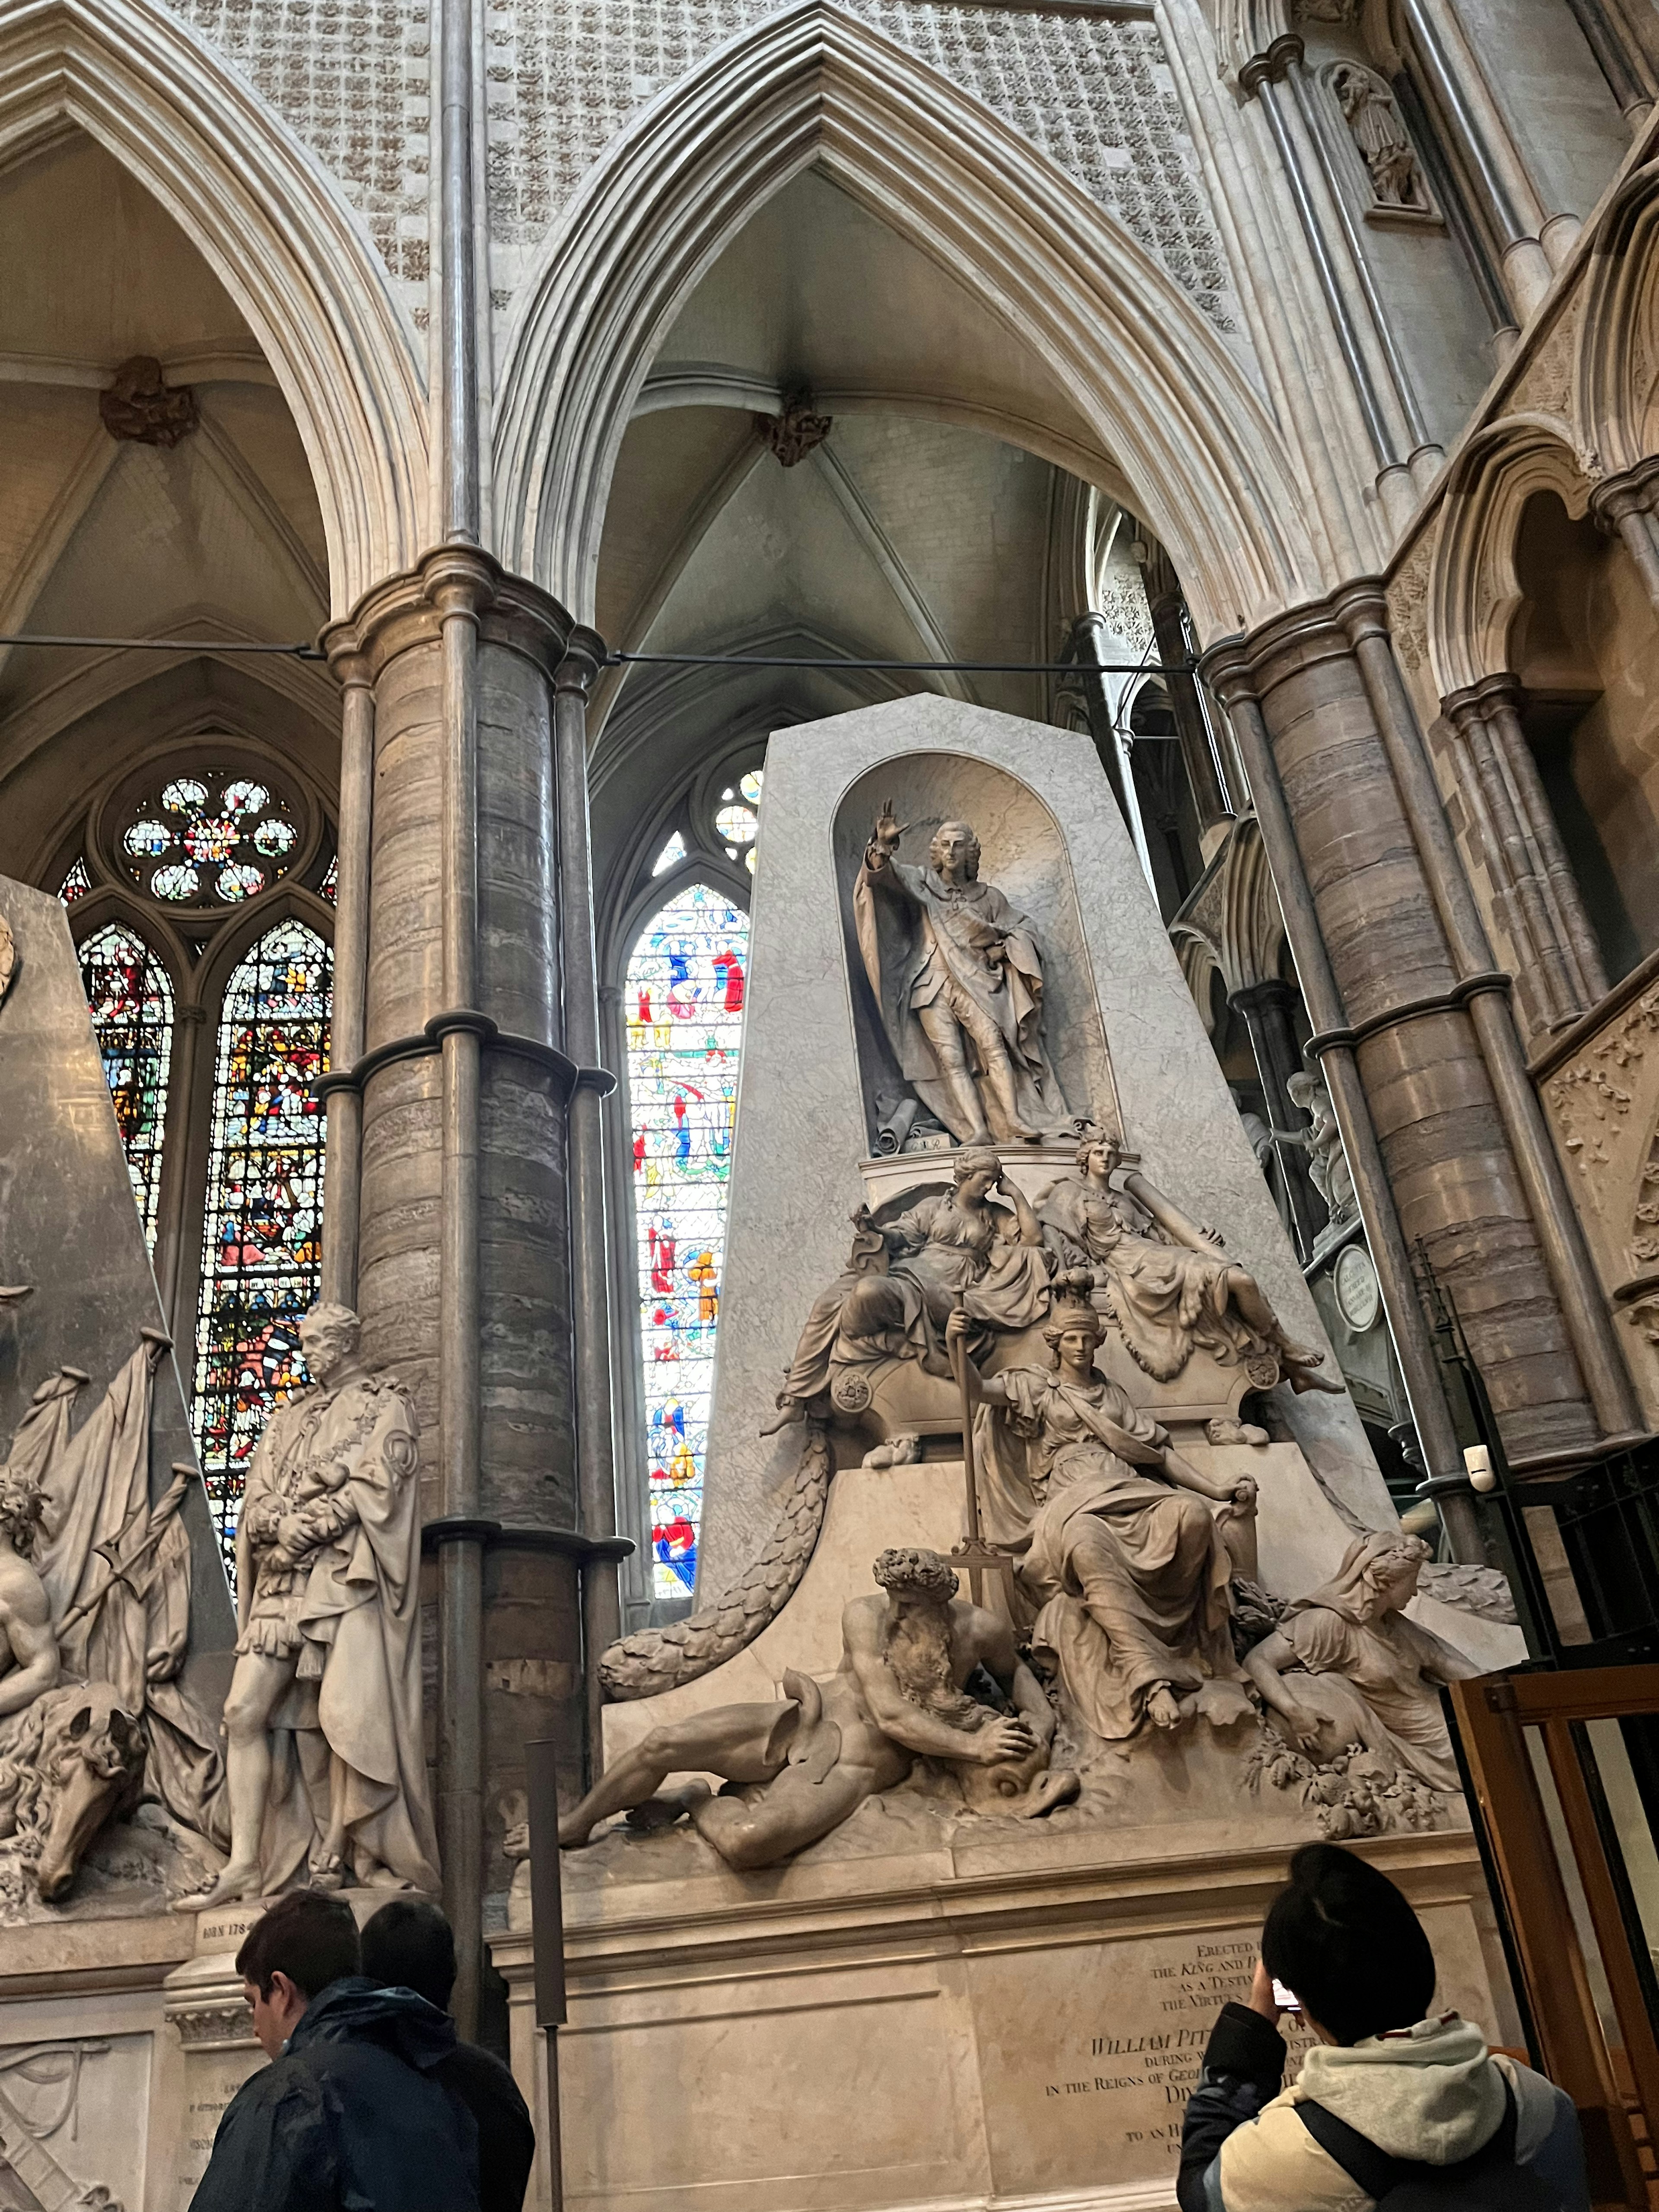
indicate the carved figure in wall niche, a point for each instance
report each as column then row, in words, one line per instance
column 957, row 973
column 1171, row 1284
column 903, row 1280
column 1327, row 1163
column 1127, row 1558
column 798, row 1768
column 1372, row 116
column 1345, row 1665
column 328, row 1667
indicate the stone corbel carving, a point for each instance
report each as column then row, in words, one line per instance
column 140, row 407
column 1400, row 190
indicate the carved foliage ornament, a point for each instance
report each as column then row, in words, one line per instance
column 791, row 437
column 140, row 408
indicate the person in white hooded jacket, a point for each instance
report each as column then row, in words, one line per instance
column 1390, row 2097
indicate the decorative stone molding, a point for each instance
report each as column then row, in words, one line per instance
column 1408, row 596
column 140, row 407
column 790, row 436
column 276, row 230
column 225, row 2025
column 1160, row 390
column 1090, row 94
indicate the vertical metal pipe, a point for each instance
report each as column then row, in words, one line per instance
column 343, row 1167
column 457, row 378
column 590, row 1259
column 1420, row 1368
column 460, row 1715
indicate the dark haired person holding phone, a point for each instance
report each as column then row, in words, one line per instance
column 1394, row 2107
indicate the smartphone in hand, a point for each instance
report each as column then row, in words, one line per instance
column 1284, row 1999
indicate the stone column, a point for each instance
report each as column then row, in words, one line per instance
column 1266, row 76
column 1456, row 1192
column 590, row 1256
column 1627, row 506
column 1267, row 1011
column 1168, row 608
column 1558, row 961
column 343, row 1163
column 1619, row 56
column 1365, row 616
column 463, row 1262
column 1089, row 642
column 1532, row 244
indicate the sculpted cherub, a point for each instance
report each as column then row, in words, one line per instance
column 804, row 1765
column 1172, row 1288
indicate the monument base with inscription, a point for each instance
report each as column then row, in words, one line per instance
column 1015, row 2023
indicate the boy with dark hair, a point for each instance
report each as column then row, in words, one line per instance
column 408, row 1944
column 347, row 2112
column 1392, row 2107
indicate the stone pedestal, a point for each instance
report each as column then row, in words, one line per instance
column 1011, row 2021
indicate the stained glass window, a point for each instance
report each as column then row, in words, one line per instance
column 260, row 1248
column 209, row 839
column 75, row 885
column 330, row 886
column 131, row 996
column 684, row 996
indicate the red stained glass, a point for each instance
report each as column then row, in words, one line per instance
column 130, row 997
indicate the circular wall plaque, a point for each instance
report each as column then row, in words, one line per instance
column 1359, row 1294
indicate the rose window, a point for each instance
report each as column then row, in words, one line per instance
column 207, row 839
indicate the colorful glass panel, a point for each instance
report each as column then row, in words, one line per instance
column 75, row 885
column 211, row 833
column 131, row 996
column 671, row 855
column 685, row 990
column 330, row 886
column 260, row 1250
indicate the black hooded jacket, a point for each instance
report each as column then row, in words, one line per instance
column 350, row 2118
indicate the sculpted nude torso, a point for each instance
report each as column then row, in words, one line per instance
column 804, row 1765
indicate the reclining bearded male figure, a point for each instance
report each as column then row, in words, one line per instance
column 804, row 1765
column 1129, row 1564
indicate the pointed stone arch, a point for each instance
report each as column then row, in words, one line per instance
column 1174, row 409
column 1618, row 365
column 275, row 230
column 1474, row 589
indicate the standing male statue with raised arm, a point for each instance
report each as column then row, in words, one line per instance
column 957, row 973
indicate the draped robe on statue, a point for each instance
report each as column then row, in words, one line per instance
column 937, row 945
column 96, row 1551
column 344, row 1460
column 1130, row 1571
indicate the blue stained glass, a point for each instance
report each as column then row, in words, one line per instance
column 685, row 989
column 261, row 1254
column 130, row 997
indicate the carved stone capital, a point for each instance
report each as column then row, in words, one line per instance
column 224, row 2024
column 407, row 611
column 1633, row 491
column 1273, row 66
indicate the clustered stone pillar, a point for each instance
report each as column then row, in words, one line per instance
column 1559, row 971
column 464, row 1081
column 1447, row 1147
column 1627, row 506
column 1167, row 609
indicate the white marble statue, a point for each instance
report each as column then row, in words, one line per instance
column 328, row 1668
column 1345, row 1665
column 94, row 1614
column 805, row 1764
column 957, row 973
column 1123, row 1551
column 952, row 1248
column 1172, row 1287
column 1327, row 1163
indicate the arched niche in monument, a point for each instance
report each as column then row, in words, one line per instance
column 1022, row 854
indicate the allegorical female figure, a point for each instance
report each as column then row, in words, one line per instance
column 1345, row 1665
column 1171, row 1286
column 1128, row 1562
column 952, row 1248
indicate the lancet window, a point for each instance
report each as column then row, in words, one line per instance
column 683, row 994
column 199, row 890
